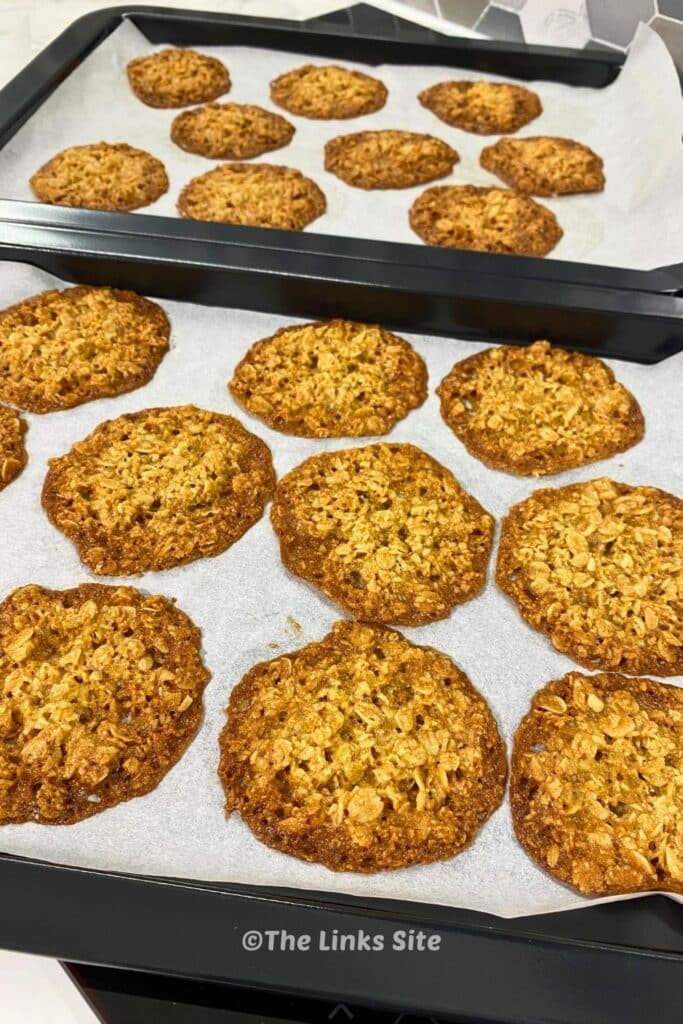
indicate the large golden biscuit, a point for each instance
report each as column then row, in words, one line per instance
column 101, row 176
column 485, row 108
column 388, row 159
column 327, row 92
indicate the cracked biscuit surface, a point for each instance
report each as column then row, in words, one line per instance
column 177, row 78
column 362, row 752
column 262, row 195
column 485, row 108
column 101, row 176
column 325, row 92
column 100, row 694
column 13, row 455
column 388, row 158
column 597, row 566
column 544, row 165
column 331, row 379
column 539, row 409
column 59, row 349
column 596, row 787
column 385, row 531
column 230, row 131
column 484, row 220
column 159, row 488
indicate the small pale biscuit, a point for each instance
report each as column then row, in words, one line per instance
column 101, row 176
column 328, row 92
column 230, row 131
column 362, row 752
column 485, row 108
column 388, row 158
column 331, row 379
column 13, row 455
column 177, row 78
column 544, row 165
column 597, row 783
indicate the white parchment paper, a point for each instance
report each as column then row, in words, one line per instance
column 635, row 124
column 244, row 600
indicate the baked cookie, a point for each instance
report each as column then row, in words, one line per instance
column 385, row 531
column 100, row 694
column 62, row 348
column 158, row 488
column 230, row 131
column 177, row 78
column 13, row 455
column 331, row 379
column 485, row 220
column 263, row 195
column 102, row 176
column 362, row 752
column 596, row 788
column 485, row 108
column 328, row 92
column 388, row 159
column 597, row 567
column 538, row 409
column 544, row 165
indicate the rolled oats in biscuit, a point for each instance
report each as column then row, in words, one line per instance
column 177, row 78
column 331, row 379
column 385, row 531
column 362, row 752
column 544, row 165
column 61, row 348
column 101, row 176
column 485, row 108
column 158, row 488
column 539, row 409
column 262, row 195
column 328, row 92
column 597, row 566
column 100, row 694
column 596, row 789
column 13, row 455
column 230, row 131
column 388, row 159
column 484, row 220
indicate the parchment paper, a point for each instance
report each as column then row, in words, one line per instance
column 635, row 124
column 244, row 600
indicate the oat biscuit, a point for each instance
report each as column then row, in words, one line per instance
column 328, row 92
column 485, row 220
column 388, row 159
column 544, row 165
column 100, row 694
column 263, row 195
column 597, row 567
column 230, row 131
column 539, row 409
column 362, row 752
column 177, row 78
column 158, row 488
column 596, row 788
column 385, row 531
column 485, row 108
column 59, row 349
column 102, row 176
column 13, row 455
column 331, row 379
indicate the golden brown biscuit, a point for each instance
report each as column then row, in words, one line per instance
column 62, row 348
column 544, row 165
column 177, row 78
column 13, row 455
column 159, row 488
column 486, row 108
column 597, row 566
column 362, row 752
column 328, row 92
column 539, row 409
column 385, row 531
column 596, row 788
column 100, row 694
column 332, row 379
column 230, row 131
column 485, row 220
column 263, row 195
column 102, row 176
column 388, row 159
